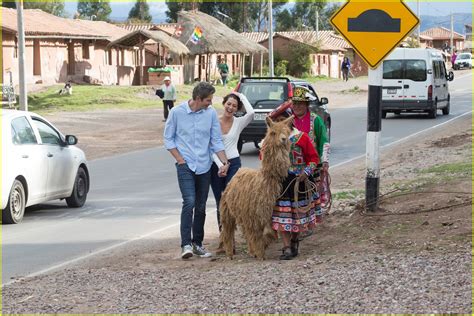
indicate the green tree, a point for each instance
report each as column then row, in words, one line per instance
column 325, row 16
column 284, row 21
column 140, row 12
column 301, row 62
column 96, row 10
column 55, row 7
column 305, row 13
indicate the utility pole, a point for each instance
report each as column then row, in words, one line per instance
column 452, row 33
column 21, row 56
column 270, row 38
column 317, row 25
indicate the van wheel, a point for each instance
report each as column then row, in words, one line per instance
column 448, row 106
column 432, row 113
column 384, row 114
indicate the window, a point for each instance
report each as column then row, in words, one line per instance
column 392, row 69
column 47, row 133
column 404, row 69
column 22, row 133
column 15, row 49
column 415, row 70
column 436, row 70
column 442, row 68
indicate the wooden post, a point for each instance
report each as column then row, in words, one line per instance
column 140, row 61
column 251, row 65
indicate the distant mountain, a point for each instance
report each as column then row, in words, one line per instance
column 460, row 19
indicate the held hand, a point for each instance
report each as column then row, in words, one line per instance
column 180, row 162
column 223, row 171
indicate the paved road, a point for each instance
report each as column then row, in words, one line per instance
column 136, row 195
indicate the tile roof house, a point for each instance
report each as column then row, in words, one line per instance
column 441, row 38
column 331, row 49
column 59, row 49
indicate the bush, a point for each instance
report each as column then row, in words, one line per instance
column 280, row 68
column 301, row 62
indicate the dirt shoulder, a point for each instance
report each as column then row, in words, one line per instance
column 412, row 256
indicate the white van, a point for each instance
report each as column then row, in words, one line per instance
column 415, row 80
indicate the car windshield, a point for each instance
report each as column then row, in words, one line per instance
column 264, row 91
column 464, row 56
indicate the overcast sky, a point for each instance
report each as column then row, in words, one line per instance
column 120, row 9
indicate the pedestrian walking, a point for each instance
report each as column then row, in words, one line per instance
column 345, row 68
column 169, row 97
column 231, row 127
column 223, row 71
column 192, row 133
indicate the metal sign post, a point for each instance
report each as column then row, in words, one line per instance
column 374, row 126
column 21, row 57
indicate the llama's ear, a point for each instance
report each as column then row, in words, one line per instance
column 269, row 121
column 289, row 121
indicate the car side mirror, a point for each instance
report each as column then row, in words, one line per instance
column 450, row 76
column 71, row 140
column 324, row 101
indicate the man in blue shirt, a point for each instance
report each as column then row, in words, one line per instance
column 192, row 133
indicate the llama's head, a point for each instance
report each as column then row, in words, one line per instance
column 276, row 147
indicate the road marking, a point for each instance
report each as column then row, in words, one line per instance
column 402, row 139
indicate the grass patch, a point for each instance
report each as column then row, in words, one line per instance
column 453, row 168
column 90, row 97
column 344, row 195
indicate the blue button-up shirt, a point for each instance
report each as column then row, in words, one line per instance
column 196, row 135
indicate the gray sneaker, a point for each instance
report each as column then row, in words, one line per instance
column 187, row 252
column 201, row 251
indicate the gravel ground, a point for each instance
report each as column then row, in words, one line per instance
column 372, row 283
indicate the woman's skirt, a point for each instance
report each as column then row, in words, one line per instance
column 296, row 215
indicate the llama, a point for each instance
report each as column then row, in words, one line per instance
column 250, row 197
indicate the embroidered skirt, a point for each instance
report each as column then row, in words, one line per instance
column 294, row 216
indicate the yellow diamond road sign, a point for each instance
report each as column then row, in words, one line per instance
column 374, row 28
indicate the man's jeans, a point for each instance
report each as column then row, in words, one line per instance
column 219, row 184
column 194, row 190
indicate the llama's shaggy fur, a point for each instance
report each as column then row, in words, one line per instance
column 250, row 197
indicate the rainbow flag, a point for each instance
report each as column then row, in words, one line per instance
column 197, row 34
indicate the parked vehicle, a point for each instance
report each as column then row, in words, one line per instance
column 267, row 93
column 39, row 164
column 463, row 60
column 415, row 80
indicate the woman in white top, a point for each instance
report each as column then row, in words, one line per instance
column 231, row 127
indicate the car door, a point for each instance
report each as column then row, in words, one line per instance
column 60, row 162
column 28, row 159
column 437, row 82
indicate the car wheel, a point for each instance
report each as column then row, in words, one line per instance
column 448, row 106
column 13, row 213
column 384, row 114
column 240, row 143
column 79, row 192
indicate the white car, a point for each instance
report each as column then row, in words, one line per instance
column 39, row 164
column 463, row 60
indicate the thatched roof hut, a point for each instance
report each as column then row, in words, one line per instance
column 217, row 38
column 138, row 37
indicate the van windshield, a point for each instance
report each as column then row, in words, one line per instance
column 405, row 69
